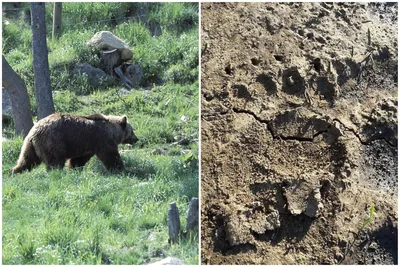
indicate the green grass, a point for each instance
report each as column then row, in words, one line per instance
column 169, row 57
column 90, row 215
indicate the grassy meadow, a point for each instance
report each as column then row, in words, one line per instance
column 90, row 215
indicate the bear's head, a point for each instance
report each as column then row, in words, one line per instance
column 129, row 135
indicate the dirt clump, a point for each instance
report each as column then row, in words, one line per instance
column 299, row 133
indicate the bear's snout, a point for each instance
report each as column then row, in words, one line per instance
column 132, row 139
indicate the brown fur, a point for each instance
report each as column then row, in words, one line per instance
column 61, row 137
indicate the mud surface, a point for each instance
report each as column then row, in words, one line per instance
column 299, row 133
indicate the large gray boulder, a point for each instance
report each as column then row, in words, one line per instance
column 135, row 75
column 132, row 77
column 6, row 105
column 106, row 40
column 95, row 76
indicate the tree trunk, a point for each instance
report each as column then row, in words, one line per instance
column 44, row 99
column 192, row 222
column 57, row 20
column 174, row 224
column 109, row 60
column 21, row 108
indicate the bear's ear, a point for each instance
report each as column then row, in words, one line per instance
column 123, row 121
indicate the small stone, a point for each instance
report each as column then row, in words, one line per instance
column 158, row 151
column 168, row 261
column 273, row 221
column 184, row 118
column 338, row 256
column 56, row 92
column 124, row 92
column 290, row 80
column 373, row 246
column 314, row 204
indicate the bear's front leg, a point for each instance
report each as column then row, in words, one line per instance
column 111, row 158
column 79, row 162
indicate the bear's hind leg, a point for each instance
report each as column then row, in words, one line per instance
column 26, row 165
column 55, row 164
column 78, row 162
column 27, row 158
column 111, row 158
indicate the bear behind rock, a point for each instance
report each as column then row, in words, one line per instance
column 61, row 137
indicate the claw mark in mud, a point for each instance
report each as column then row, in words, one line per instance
column 282, row 137
column 315, row 135
column 360, row 139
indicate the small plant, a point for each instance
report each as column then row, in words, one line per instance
column 27, row 249
column 365, row 224
column 370, row 217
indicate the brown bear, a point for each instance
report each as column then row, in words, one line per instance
column 61, row 137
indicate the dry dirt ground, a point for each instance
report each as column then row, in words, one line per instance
column 299, row 133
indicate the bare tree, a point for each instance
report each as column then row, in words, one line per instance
column 57, row 11
column 44, row 98
column 21, row 108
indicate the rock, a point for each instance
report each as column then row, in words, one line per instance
column 152, row 237
column 158, row 151
column 272, row 221
column 338, row 256
column 237, row 230
column 106, row 40
column 184, row 118
column 273, row 24
column 314, row 204
column 95, row 76
column 373, row 246
column 142, row 184
column 6, row 106
column 193, row 215
column 296, row 193
column 261, row 222
column 155, row 28
column 124, row 92
column 303, row 196
column 243, row 220
column 174, row 225
column 168, row 261
column 135, row 74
